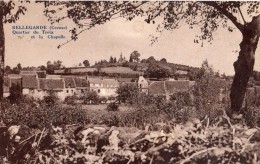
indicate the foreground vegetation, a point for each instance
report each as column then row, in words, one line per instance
column 55, row 134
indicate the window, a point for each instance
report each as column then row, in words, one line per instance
column 67, row 91
column 98, row 90
column 82, row 90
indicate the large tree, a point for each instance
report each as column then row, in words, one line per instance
column 134, row 56
column 209, row 16
column 9, row 13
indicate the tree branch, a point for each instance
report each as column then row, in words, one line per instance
column 241, row 15
column 229, row 15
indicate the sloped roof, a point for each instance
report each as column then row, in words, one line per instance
column 103, row 81
column 69, row 82
column 130, row 83
column 28, row 73
column 29, row 81
column 51, row 84
column 169, row 87
column 80, row 82
column 156, row 88
column 123, row 80
column 177, row 86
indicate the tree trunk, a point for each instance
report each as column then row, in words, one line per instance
column 244, row 65
column 2, row 55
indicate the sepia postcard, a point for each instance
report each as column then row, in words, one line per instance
column 129, row 82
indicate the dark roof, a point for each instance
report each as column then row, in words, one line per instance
column 51, row 84
column 129, row 83
column 80, row 82
column 69, row 82
column 29, row 81
column 161, row 87
column 156, row 88
column 103, row 81
column 177, row 86
column 123, row 80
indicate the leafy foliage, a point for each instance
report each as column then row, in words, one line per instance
column 134, row 56
column 112, row 107
column 15, row 93
column 156, row 71
column 207, row 90
column 126, row 93
column 179, row 143
column 91, row 97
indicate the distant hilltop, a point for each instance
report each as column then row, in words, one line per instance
column 155, row 69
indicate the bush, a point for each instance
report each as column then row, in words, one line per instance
column 71, row 100
column 112, row 107
column 91, row 97
column 43, row 115
column 207, row 92
column 126, row 93
column 51, row 99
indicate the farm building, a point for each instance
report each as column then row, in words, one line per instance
column 104, row 87
column 36, row 87
column 168, row 88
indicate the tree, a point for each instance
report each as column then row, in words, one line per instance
column 207, row 90
column 163, row 60
column 151, row 59
column 17, row 69
column 15, row 93
column 114, row 60
column 143, row 60
column 19, row 66
column 86, row 63
column 42, row 68
column 91, row 97
column 156, row 71
column 9, row 13
column 208, row 16
column 111, row 59
column 126, row 93
column 8, row 70
column 53, row 66
column 134, row 56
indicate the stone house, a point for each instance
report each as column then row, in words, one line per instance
column 104, row 87
column 168, row 88
column 142, row 84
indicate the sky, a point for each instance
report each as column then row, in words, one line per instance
column 116, row 37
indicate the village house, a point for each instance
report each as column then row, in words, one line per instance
column 104, row 87
column 75, row 85
column 169, row 87
column 62, row 86
column 143, row 84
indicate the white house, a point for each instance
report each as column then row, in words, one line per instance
column 143, row 84
column 104, row 87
